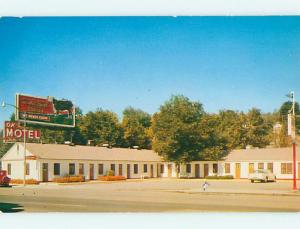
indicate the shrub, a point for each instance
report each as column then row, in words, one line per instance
column 69, row 179
column 110, row 173
column 219, row 177
column 20, row 181
column 111, row 178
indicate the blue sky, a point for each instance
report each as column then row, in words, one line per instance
column 114, row 62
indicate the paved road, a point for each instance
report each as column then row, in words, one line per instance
column 150, row 196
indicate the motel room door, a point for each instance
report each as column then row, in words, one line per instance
column 197, row 170
column 169, row 170
column 120, row 170
column 128, row 171
column 45, row 172
column 151, row 170
column 237, row 170
column 206, row 170
column 91, row 171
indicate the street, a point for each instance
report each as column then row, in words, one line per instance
column 157, row 195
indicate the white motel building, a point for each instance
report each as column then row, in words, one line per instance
column 47, row 161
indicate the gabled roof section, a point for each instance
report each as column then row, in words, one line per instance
column 266, row 154
column 66, row 152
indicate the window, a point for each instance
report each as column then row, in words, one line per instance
column 251, row 168
column 188, row 168
column 289, row 168
column 270, row 167
column 100, row 169
column 27, row 169
column 162, row 168
column 112, row 167
column 135, row 168
column 56, row 169
column 71, row 169
column 286, row 168
column 215, row 168
column 145, row 168
column 81, row 168
column 227, row 167
column 9, row 169
column 260, row 165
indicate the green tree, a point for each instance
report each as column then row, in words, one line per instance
column 231, row 127
column 136, row 124
column 4, row 147
column 102, row 126
column 257, row 129
column 182, row 132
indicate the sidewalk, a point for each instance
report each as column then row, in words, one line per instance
column 245, row 192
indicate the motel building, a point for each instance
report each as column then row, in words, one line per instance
column 47, row 161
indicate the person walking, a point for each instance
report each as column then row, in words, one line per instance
column 205, row 185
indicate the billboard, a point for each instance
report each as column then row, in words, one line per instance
column 46, row 111
column 14, row 132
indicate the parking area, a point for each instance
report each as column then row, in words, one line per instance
column 154, row 195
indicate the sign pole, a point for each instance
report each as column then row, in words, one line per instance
column 24, row 178
column 292, row 133
column 294, row 166
column 294, row 145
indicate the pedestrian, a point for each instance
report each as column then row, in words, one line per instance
column 205, row 185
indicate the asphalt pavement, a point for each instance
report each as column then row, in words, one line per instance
column 167, row 195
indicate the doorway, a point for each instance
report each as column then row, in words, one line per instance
column 206, row 170
column 151, row 170
column 91, row 171
column 128, row 171
column 45, row 172
column 197, row 170
column 237, row 170
column 169, row 170
column 120, row 170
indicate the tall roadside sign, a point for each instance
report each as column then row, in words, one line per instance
column 45, row 111
column 13, row 132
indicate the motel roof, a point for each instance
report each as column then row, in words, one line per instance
column 265, row 154
column 66, row 152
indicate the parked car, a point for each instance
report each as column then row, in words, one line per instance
column 4, row 179
column 262, row 175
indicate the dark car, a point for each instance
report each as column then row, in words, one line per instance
column 4, row 179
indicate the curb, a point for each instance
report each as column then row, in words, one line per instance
column 237, row 193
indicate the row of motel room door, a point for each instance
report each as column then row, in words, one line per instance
column 160, row 170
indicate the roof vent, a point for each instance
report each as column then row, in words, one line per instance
column 249, row 147
column 91, row 143
column 107, row 145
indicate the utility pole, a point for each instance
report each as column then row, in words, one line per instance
column 293, row 134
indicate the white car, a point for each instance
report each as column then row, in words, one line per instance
column 262, row 175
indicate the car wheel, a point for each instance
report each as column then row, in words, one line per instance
column 266, row 180
column 252, row 181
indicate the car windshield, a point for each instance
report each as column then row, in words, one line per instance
column 260, row 171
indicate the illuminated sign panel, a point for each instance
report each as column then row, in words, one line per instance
column 46, row 111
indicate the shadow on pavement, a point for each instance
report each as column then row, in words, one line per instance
column 10, row 208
